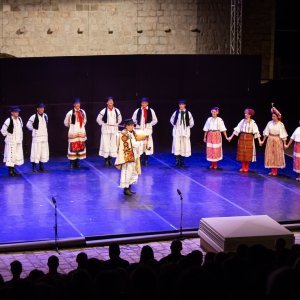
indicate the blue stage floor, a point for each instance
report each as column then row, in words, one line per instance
column 91, row 205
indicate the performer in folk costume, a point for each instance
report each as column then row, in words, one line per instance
column 213, row 128
column 109, row 118
column 13, row 132
column 128, row 158
column 76, row 121
column 276, row 136
column 296, row 154
column 145, row 118
column 38, row 123
column 182, row 121
column 247, row 131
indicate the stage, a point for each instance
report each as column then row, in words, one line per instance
column 91, row 206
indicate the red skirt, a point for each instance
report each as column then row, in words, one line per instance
column 296, row 157
column 274, row 153
column 77, row 146
column 245, row 147
column 214, row 146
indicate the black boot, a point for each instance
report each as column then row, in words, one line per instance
column 146, row 160
column 177, row 161
column 76, row 164
column 33, row 167
column 72, row 166
column 182, row 165
column 131, row 191
column 106, row 162
column 10, row 172
column 127, row 192
column 110, row 163
column 15, row 171
column 41, row 166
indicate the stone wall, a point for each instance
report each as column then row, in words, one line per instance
column 34, row 28
column 98, row 27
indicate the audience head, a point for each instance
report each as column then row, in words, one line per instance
column 53, row 262
column 16, row 268
column 114, row 250
column 146, row 254
column 176, row 246
column 81, row 259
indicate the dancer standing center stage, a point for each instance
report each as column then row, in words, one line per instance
column 109, row 118
column 145, row 118
column 128, row 159
column 247, row 131
column 182, row 121
column 76, row 120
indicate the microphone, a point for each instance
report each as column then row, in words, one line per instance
column 179, row 192
column 53, row 200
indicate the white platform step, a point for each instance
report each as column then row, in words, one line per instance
column 226, row 233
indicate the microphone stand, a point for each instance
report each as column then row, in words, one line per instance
column 181, row 215
column 55, row 225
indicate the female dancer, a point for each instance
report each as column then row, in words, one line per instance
column 296, row 154
column 276, row 136
column 247, row 131
column 213, row 138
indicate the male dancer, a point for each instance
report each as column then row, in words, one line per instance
column 37, row 123
column 13, row 132
column 145, row 118
column 109, row 118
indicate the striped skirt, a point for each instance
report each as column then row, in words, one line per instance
column 246, row 148
column 296, row 157
column 274, row 153
column 214, row 146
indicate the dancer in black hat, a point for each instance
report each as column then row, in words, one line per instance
column 12, row 129
column 145, row 118
column 37, row 123
column 128, row 159
column 182, row 121
column 109, row 119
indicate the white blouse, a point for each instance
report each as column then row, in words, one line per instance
column 214, row 124
column 247, row 127
column 273, row 128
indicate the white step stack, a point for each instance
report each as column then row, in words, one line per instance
column 226, row 233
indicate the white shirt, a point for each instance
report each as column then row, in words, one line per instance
column 112, row 125
column 17, row 135
column 40, row 134
column 142, row 121
column 179, row 129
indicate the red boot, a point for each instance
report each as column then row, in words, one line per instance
column 242, row 169
column 246, row 166
column 215, row 165
column 273, row 172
